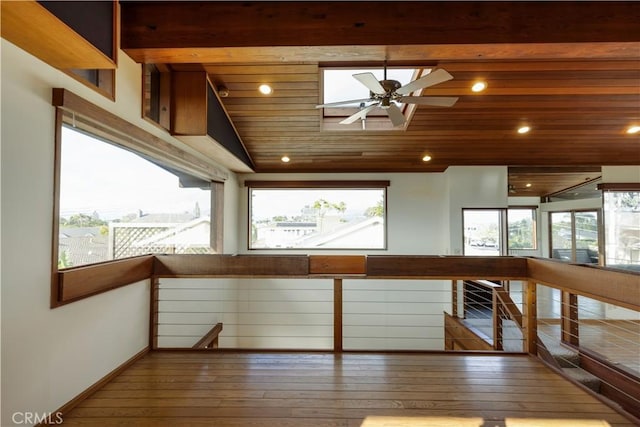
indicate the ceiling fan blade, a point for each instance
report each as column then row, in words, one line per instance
column 433, row 78
column 395, row 115
column 342, row 103
column 371, row 82
column 359, row 115
column 436, row 101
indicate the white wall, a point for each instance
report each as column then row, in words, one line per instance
column 621, row 174
column 472, row 187
column 50, row 356
column 231, row 219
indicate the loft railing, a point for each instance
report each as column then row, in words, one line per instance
column 343, row 303
column 591, row 339
column 339, row 277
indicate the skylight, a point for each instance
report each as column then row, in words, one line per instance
column 339, row 84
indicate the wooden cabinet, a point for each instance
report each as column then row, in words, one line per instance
column 65, row 35
column 199, row 119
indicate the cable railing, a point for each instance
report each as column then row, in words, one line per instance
column 591, row 329
column 572, row 316
column 489, row 312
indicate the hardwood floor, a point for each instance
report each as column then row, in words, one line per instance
column 265, row 389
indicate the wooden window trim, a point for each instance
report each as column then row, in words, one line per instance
column 101, row 122
column 317, row 184
column 76, row 283
column 622, row 186
column 81, row 282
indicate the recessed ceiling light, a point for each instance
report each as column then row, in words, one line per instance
column 426, row 158
column 524, row 129
column 265, row 89
column 528, row 185
column 479, row 86
column 633, row 130
column 285, row 159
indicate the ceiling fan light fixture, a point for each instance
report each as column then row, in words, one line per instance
column 479, row 86
column 524, row 129
column 265, row 89
column 632, row 130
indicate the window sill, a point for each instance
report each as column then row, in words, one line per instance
column 73, row 284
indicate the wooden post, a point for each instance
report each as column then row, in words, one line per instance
column 153, row 329
column 529, row 319
column 497, row 322
column 569, row 321
column 337, row 315
column 454, row 298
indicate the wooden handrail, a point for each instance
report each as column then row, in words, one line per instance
column 510, row 307
column 210, row 340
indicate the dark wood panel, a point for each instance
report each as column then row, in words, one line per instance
column 337, row 265
column 231, row 265
column 445, row 267
column 356, row 23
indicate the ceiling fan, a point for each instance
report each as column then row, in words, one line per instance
column 387, row 93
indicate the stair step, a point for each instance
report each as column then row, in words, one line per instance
column 583, row 377
column 566, row 357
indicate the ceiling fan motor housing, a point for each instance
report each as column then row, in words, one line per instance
column 390, row 86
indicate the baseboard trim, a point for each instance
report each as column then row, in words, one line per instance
column 64, row 409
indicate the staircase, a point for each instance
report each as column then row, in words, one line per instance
column 568, row 360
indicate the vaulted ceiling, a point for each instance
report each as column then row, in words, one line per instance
column 569, row 70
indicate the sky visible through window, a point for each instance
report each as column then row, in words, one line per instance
column 267, row 204
column 99, row 177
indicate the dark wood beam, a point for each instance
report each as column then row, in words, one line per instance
column 245, row 24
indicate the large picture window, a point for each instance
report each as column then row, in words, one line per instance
column 120, row 195
column 317, row 217
column 116, row 204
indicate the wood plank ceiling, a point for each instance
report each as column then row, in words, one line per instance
column 569, row 71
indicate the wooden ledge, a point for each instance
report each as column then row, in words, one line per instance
column 33, row 28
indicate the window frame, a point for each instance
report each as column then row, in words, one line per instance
column 316, row 185
column 534, row 215
column 572, row 214
column 75, row 283
column 503, row 232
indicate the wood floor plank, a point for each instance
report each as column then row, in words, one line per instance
column 259, row 389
